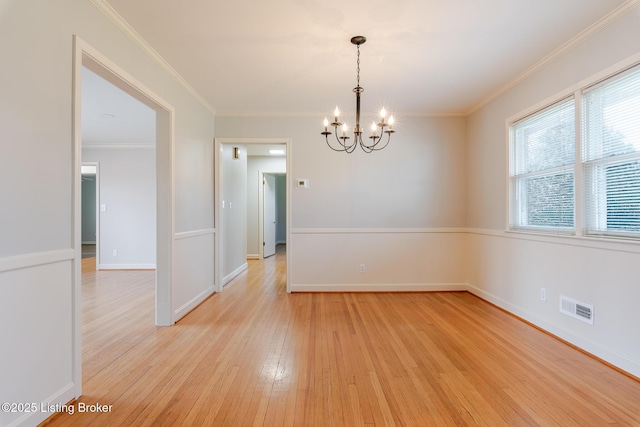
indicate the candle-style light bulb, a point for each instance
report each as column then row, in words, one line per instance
column 383, row 113
column 374, row 128
column 326, row 123
column 391, row 121
column 336, row 113
column 344, row 129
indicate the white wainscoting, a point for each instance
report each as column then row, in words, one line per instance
column 394, row 260
column 508, row 269
column 36, row 320
column 192, row 270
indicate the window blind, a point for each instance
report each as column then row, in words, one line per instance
column 542, row 169
column 611, row 156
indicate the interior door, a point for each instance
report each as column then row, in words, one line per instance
column 269, row 216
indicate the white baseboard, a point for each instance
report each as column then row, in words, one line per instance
column 608, row 355
column 190, row 305
column 380, row 287
column 229, row 277
column 126, row 267
column 253, row 256
column 62, row 397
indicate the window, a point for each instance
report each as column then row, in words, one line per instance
column 543, row 146
column 542, row 169
column 611, row 156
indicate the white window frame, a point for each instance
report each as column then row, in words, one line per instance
column 580, row 167
column 517, row 208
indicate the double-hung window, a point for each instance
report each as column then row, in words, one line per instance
column 611, row 156
column 542, row 169
column 544, row 179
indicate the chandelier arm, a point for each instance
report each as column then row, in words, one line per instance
column 375, row 148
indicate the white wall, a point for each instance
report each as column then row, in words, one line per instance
column 510, row 268
column 234, row 211
column 37, row 252
column 390, row 209
column 128, row 189
column 256, row 165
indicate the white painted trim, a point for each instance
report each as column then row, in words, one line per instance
column 261, row 178
column 35, row 259
column 235, row 273
column 130, row 32
column 218, row 211
column 601, row 243
column 377, row 230
column 119, row 146
column 602, row 23
column 605, row 353
column 253, row 256
column 316, row 114
column 194, row 233
column 86, row 55
column 127, row 267
column 193, row 303
column 62, row 396
column 381, row 287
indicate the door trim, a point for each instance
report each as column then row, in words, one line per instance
column 287, row 142
column 86, row 55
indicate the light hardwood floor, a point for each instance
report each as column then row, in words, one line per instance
column 254, row 355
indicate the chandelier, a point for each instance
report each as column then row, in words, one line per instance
column 378, row 130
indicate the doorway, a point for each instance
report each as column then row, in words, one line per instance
column 90, row 227
column 272, row 210
column 86, row 56
column 227, row 238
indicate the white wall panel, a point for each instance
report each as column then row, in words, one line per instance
column 193, row 270
column 35, row 320
column 394, row 260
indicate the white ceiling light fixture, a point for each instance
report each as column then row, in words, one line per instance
column 385, row 127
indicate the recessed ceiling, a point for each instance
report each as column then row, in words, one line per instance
column 294, row 56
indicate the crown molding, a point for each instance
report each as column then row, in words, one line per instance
column 603, row 22
column 128, row 30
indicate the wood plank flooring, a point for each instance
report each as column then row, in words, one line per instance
column 255, row 355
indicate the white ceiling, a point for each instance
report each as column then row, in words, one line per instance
column 112, row 117
column 294, row 56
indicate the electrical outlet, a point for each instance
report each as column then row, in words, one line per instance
column 115, row 252
column 362, row 268
column 543, row 294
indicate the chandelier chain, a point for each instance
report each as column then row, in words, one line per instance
column 358, row 68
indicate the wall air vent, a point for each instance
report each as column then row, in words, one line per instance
column 576, row 309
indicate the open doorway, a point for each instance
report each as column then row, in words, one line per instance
column 87, row 58
column 272, row 212
column 239, row 211
column 90, row 217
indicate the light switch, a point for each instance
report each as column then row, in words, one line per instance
column 103, row 208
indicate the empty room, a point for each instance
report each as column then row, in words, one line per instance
column 362, row 213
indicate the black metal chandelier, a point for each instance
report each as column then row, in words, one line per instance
column 378, row 130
